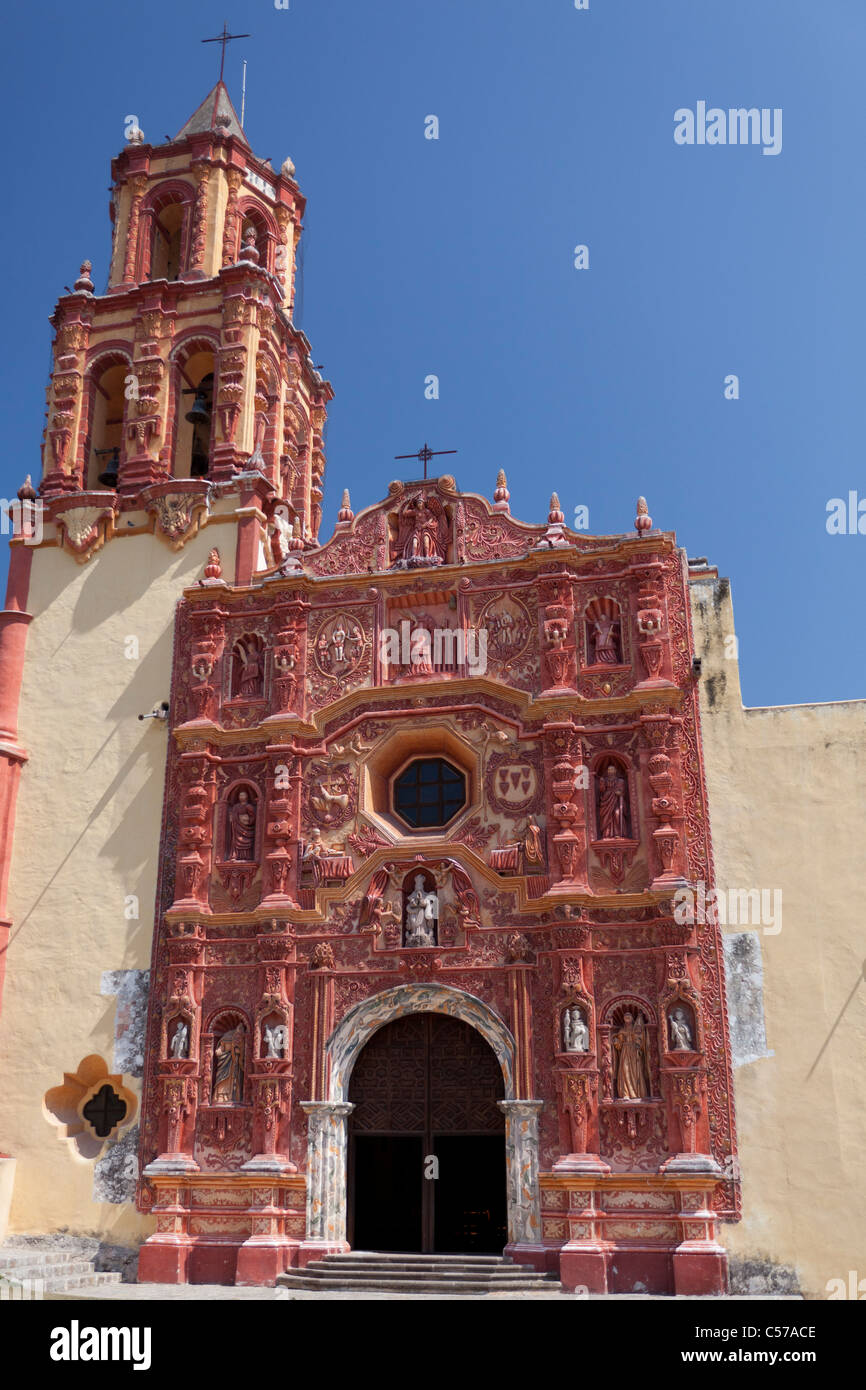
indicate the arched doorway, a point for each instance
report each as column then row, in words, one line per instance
column 427, row 1161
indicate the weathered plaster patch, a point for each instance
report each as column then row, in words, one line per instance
column 762, row 1276
column 131, row 989
column 744, row 971
column 115, row 1173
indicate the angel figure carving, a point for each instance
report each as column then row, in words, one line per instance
column 249, row 676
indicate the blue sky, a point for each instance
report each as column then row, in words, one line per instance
column 454, row 257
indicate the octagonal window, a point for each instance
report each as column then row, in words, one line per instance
column 429, row 792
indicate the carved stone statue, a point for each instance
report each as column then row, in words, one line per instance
column 612, row 810
column 276, row 1039
column 575, row 1034
column 242, row 827
column 329, row 800
column 280, row 534
column 180, row 1040
column 338, row 643
column 422, row 915
column 250, row 682
column 681, row 1035
column 604, row 633
column 533, row 851
column 629, row 1044
column 389, row 921
column 313, row 849
column 422, row 537
column 228, row 1080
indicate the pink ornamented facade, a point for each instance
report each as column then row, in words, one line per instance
column 556, row 934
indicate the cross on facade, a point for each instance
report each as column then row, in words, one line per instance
column 224, row 38
column 424, row 455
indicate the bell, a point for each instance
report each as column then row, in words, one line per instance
column 108, row 477
column 200, row 413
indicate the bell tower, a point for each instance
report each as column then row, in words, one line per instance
column 188, row 373
column 183, row 442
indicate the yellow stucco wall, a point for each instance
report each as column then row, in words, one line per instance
column 788, row 811
column 86, row 837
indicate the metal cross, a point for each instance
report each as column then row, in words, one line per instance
column 424, row 455
column 224, row 38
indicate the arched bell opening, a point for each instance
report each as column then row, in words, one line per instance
column 195, row 416
column 106, row 410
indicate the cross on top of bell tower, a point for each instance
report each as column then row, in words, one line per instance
column 224, row 38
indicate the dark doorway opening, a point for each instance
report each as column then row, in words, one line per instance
column 427, row 1141
column 388, row 1172
column 470, row 1215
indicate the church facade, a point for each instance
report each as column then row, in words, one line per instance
column 389, row 890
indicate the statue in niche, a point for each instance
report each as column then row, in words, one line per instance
column 629, row 1044
column 250, row 677
column 575, row 1034
column 423, row 533
column 280, row 534
column 276, row 1040
column 228, row 1077
column 604, row 633
column 612, row 804
column 421, row 646
column 422, row 915
column 532, row 846
column 242, row 827
column 681, row 1034
column 180, row 1040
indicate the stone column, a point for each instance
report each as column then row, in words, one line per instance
column 524, row 1198
column 326, row 1178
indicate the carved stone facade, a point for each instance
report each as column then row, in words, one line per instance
column 296, row 904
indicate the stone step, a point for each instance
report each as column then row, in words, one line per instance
column 411, row 1257
column 19, row 1257
column 59, row 1268
column 442, row 1285
column 362, row 1265
column 317, row 1271
column 71, row 1269
column 87, row 1281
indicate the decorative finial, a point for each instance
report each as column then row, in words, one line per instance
column 345, row 513
column 213, row 569
column 501, row 493
column 556, row 516
column 84, row 284
column 297, row 541
column 27, row 493
column 643, row 521
column 288, row 168
column 249, row 250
